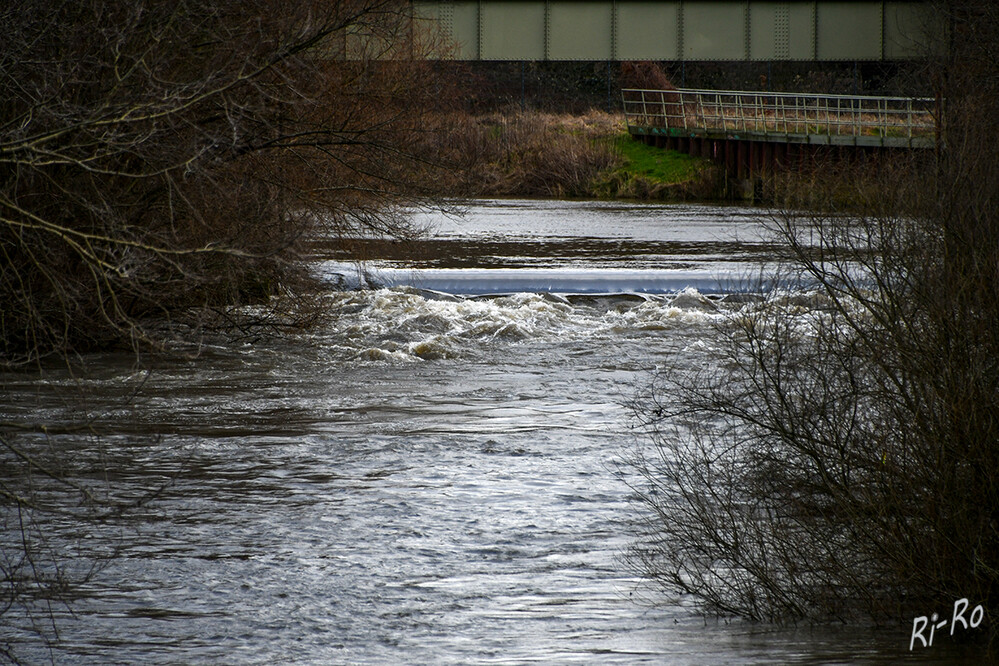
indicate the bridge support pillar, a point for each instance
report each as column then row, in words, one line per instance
column 780, row 156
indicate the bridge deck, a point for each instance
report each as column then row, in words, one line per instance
column 890, row 122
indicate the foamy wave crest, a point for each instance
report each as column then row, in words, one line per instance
column 407, row 324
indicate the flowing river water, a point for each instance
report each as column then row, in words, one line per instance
column 436, row 476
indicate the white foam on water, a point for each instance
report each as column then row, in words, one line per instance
column 407, row 324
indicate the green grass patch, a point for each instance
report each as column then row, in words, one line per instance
column 656, row 164
column 647, row 172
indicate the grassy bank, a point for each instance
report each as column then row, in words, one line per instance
column 562, row 155
column 647, row 172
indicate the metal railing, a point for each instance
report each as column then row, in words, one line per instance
column 782, row 114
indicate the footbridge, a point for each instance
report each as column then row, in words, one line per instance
column 756, row 133
column 694, row 30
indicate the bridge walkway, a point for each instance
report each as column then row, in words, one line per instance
column 754, row 133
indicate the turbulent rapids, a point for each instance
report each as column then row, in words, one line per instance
column 409, row 324
column 546, row 271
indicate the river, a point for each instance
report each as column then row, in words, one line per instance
column 433, row 477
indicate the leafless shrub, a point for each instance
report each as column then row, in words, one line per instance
column 840, row 460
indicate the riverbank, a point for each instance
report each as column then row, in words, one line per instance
column 591, row 155
column 588, row 155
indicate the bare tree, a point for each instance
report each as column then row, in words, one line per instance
column 158, row 156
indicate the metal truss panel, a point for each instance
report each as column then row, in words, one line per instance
column 465, row 20
column 648, row 30
column 848, row 30
column 769, row 31
column 581, row 30
column 457, row 25
column 714, row 30
column 801, row 30
column 513, row 30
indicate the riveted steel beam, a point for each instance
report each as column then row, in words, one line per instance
column 755, row 30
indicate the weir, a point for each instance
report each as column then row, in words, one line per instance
column 754, row 134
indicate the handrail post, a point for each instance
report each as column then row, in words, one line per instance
column 829, row 123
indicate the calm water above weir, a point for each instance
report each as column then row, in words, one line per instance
column 432, row 478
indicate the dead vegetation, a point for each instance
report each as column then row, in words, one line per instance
column 838, row 460
column 533, row 153
column 160, row 162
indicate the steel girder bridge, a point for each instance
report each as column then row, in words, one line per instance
column 682, row 30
